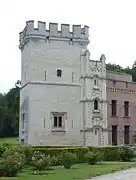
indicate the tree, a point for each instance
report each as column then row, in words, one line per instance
column 9, row 112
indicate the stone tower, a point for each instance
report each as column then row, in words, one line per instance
column 94, row 101
column 50, row 97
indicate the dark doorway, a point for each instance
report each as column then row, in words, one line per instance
column 114, row 135
column 126, row 135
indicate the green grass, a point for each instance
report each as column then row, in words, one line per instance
column 13, row 140
column 79, row 171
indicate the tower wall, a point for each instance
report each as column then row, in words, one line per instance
column 49, row 96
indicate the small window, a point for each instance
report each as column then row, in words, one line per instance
column 126, row 108
column 55, row 121
column 59, row 72
column 95, row 82
column 60, row 121
column 23, row 120
column 113, row 107
column 72, row 124
column 44, row 75
column 44, row 123
column 95, row 104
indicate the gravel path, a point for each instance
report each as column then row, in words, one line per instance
column 129, row 174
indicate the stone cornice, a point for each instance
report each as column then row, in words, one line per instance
column 47, row 83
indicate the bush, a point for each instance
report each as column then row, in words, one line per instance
column 11, row 163
column 67, row 159
column 54, row 161
column 92, row 157
column 107, row 153
column 17, row 153
column 55, row 151
column 126, row 153
column 40, row 161
column 3, row 148
column 28, row 151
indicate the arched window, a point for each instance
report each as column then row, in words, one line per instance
column 95, row 104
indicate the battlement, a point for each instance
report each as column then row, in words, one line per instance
column 42, row 32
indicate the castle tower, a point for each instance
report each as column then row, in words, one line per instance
column 94, row 101
column 50, row 108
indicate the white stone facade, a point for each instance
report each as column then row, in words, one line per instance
column 63, row 94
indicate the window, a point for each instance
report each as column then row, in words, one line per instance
column 126, row 84
column 44, row 123
column 23, row 120
column 44, row 75
column 95, row 104
column 55, row 121
column 126, row 108
column 95, row 82
column 114, row 107
column 58, row 121
column 59, row 72
column 72, row 124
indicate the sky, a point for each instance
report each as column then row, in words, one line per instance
column 112, row 29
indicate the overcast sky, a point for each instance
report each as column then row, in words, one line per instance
column 112, row 29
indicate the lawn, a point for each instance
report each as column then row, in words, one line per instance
column 79, row 171
column 13, row 140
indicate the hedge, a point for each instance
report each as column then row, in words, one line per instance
column 109, row 153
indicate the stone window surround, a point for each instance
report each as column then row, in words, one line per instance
column 64, row 118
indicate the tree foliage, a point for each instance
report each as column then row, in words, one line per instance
column 9, row 112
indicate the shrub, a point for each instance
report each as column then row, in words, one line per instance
column 17, row 153
column 55, row 151
column 28, row 151
column 126, row 153
column 67, row 159
column 3, row 148
column 11, row 162
column 92, row 157
column 108, row 153
column 54, row 161
column 9, row 167
column 40, row 161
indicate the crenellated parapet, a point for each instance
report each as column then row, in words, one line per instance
column 77, row 33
